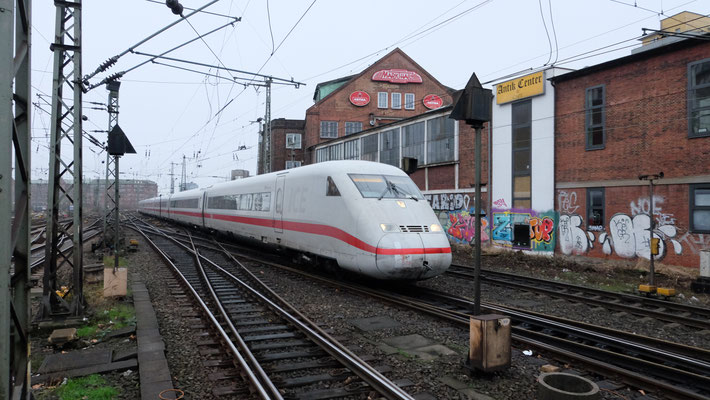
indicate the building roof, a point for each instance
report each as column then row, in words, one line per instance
column 653, row 51
column 338, row 84
column 325, row 88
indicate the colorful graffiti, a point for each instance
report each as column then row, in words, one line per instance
column 628, row 235
column 462, row 227
column 524, row 229
column 500, row 203
column 457, row 217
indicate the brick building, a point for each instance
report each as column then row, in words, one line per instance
column 391, row 110
column 642, row 114
column 131, row 191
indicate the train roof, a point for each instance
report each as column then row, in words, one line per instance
column 319, row 169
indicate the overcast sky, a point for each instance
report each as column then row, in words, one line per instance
column 168, row 113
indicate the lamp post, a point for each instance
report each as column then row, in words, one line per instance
column 474, row 107
column 653, row 243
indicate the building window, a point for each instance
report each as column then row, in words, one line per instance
column 409, row 101
column 369, row 148
column 329, row 129
column 413, row 141
column 700, row 208
column 397, row 101
column 293, row 140
column 441, row 134
column 389, row 147
column 382, row 100
column 322, row 154
column 699, row 98
column 595, row 209
column 352, row 127
column 522, row 127
column 292, row 164
column 595, row 117
column 335, row 152
column 351, row 150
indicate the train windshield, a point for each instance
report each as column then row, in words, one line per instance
column 386, row 186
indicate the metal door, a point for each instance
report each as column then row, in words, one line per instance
column 279, row 207
column 204, row 205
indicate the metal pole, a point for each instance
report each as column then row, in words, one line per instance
column 477, row 237
column 117, row 231
column 111, row 175
column 66, row 128
column 267, row 128
column 77, row 307
column 15, row 242
column 652, row 279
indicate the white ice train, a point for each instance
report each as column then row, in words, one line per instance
column 368, row 217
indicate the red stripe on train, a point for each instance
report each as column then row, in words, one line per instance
column 317, row 229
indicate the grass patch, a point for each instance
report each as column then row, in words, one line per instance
column 92, row 387
column 109, row 261
column 86, row 331
column 108, row 313
column 404, row 354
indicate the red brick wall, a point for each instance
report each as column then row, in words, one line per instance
column 337, row 106
column 646, row 122
column 279, row 152
column 646, row 133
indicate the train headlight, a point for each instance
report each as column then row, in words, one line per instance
column 435, row 228
column 401, row 204
column 389, row 227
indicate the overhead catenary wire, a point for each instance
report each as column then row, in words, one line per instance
column 111, row 61
column 124, row 72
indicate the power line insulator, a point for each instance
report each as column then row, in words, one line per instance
column 174, row 6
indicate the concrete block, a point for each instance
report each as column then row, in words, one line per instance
column 705, row 263
column 115, row 284
column 61, row 336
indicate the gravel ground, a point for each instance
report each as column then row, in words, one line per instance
column 186, row 369
column 337, row 310
column 443, row 377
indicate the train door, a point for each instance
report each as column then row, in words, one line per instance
column 204, row 205
column 279, row 207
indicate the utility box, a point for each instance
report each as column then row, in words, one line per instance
column 705, row 263
column 489, row 343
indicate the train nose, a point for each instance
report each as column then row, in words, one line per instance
column 412, row 256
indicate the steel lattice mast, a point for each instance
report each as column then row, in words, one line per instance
column 111, row 162
column 66, row 129
column 14, row 242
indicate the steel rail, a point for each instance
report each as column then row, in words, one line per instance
column 636, row 379
column 657, row 313
column 246, row 369
column 367, row 373
column 362, row 369
column 263, row 377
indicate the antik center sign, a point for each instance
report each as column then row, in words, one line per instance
column 520, row 88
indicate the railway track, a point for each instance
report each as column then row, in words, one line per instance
column 669, row 369
column 663, row 310
column 278, row 350
column 673, row 370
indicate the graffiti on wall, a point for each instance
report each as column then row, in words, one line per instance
column 457, row 216
column 626, row 235
column 574, row 239
column 524, row 229
column 462, row 227
column 568, row 202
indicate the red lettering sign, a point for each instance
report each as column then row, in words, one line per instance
column 397, row 76
column 359, row 98
column 432, row 101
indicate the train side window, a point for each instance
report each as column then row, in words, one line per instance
column 332, row 190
